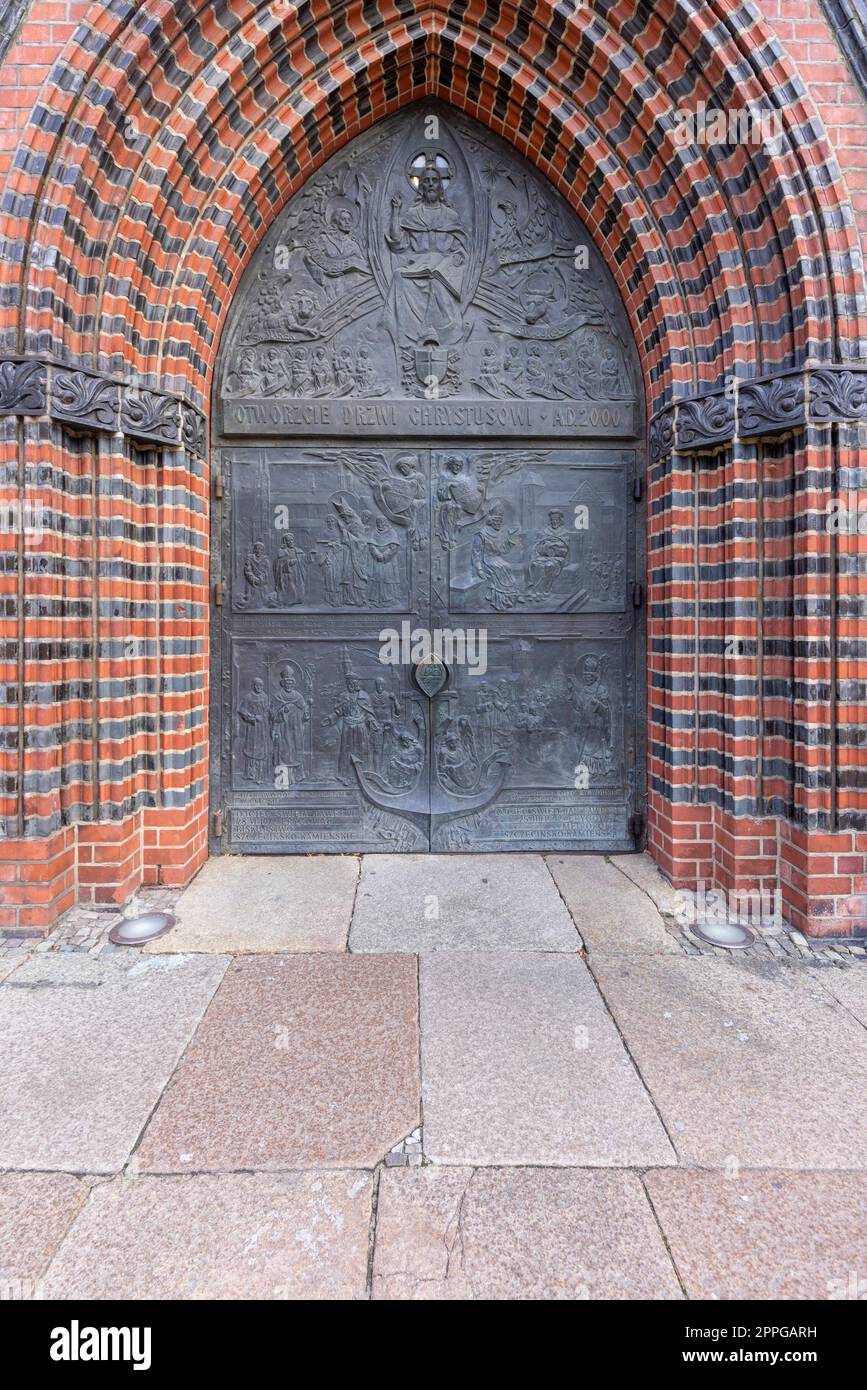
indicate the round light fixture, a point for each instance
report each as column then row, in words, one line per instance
column 731, row 935
column 135, row 931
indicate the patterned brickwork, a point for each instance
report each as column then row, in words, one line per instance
column 145, row 149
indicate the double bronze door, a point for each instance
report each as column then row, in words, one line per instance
column 428, row 649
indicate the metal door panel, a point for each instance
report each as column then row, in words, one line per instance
column 320, row 738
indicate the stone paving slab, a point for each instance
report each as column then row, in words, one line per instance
column 303, row 1061
column 521, row 1064
column 747, row 1062
column 265, row 903
column 455, row 1233
column 10, row 962
column 36, row 1211
column 422, row 902
column 849, row 988
column 89, row 1046
column 232, row 1236
column 764, row 1235
column 614, row 914
column 641, row 870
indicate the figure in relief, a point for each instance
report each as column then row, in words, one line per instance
column 356, row 724
column 329, row 558
column 430, row 246
column 289, row 713
column 490, row 547
column 386, row 710
column 254, row 711
column 591, row 702
column 458, row 766
column 288, row 572
column 354, row 573
column 385, row 582
column 459, row 495
column 334, row 252
column 548, row 556
column 257, row 573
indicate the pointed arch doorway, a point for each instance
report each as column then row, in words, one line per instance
column 430, row 535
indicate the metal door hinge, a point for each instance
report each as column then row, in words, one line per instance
column 218, row 487
column 637, row 489
column 217, row 824
column 636, row 825
column 219, row 594
column 637, row 595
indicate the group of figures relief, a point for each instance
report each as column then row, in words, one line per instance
column 381, row 731
column 542, row 560
column 520, row 722
column 357, row 561
column 428, row 258
column 375, row 727
column 347, row 547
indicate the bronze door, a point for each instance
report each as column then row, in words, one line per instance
column 428, row 649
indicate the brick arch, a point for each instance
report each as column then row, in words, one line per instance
column 165, row 141
column 709, row 251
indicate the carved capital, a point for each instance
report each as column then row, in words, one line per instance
column 150, row 415
column 80, row 398
column 838, row 394
column 772, row 407
column 193, row 430
column 22, row 387
column 661, row 434
column 704, row 422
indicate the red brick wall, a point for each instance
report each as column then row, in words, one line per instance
column 134, row 245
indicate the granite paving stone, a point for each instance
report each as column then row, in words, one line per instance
column 265, row 903
column 36, row 1211
column 849, row 988
column 226, row 1236
column 641, row 870
column 520, row 1233
column 521, row 1064
column 765, row 1235
column 88, row 1047
column 303, row 1061
column 729, row 1053
column 612, row 913
column 421, row 902
column 10, row 961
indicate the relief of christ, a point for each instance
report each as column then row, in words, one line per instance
column 423, row 304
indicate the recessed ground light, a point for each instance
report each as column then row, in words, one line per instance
column 729, row 934
column 134, row 931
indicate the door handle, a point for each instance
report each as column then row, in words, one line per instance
column 431, row 675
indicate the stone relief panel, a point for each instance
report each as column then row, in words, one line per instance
column 428, row 260
column 530, row 530
column 332, row 530
column 546, row 729
column 315, row 719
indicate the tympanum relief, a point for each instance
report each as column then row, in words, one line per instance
column 427, row 260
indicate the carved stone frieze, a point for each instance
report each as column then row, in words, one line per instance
column 150, row 415
column 771, row 407
column 704, row 422
column 83, row 399
column 22, row 387
column 838, row 394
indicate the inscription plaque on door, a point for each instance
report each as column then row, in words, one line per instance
column 428, row 399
